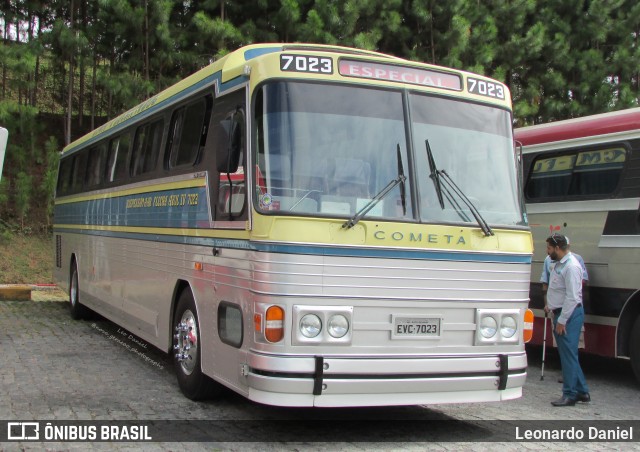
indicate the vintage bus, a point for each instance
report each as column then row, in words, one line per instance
column 583, row 180
column 309, row 226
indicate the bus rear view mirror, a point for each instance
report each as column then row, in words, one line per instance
column 228, row 159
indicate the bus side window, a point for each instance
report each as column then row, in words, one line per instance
column 79, row 170
column 117, row 162
column 146, row 147
column 188, row 132
column 95, row 166
column 64, row 180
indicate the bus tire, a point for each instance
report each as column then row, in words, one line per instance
column 634, row 348
column 194, row 384
column 76, row 309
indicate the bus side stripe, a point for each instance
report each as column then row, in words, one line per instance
column 196, row 237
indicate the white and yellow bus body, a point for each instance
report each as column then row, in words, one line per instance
column 285, row 283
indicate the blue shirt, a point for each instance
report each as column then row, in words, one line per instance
column 565, row 286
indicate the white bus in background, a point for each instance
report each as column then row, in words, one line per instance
column 583, row 180
column 4, row 135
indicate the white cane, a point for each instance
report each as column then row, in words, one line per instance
column 544, row 344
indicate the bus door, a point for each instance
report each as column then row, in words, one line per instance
column 232, row 267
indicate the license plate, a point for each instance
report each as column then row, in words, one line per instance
column 415, row 327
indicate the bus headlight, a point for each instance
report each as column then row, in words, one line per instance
column 310, row 325
column 508, row 326
column 488, row 327
column 338, row 326
column 322, row 325
column 497, row 326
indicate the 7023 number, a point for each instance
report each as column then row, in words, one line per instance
column 304, row 63
column 485, row 88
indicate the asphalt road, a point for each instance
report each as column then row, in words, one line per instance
column 91, row 374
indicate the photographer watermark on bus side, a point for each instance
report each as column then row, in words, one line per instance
column 118, row 337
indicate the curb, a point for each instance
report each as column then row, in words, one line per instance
column 22, row 292
column 15, row 292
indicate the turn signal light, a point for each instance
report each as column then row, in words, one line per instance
column 274, row 325
column 527, row 333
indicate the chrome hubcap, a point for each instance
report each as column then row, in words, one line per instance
column 186, row 342
column 73, row 292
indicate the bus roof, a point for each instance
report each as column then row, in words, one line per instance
column 231, row 70
column 588, row 126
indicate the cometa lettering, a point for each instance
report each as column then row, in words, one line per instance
column 411, row 237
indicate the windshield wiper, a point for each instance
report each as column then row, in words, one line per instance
column 400, row 180
column 474, row 211
column 435, row 175
column 441, row 191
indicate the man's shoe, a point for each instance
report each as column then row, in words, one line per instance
column 564, row 401
column 560, row 380
column 584, row 398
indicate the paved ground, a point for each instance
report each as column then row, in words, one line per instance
column 54, row 368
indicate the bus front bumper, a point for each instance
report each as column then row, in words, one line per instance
column 350, row 381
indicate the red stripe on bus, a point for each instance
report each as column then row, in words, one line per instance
column 579, row 128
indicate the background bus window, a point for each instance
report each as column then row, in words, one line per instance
column 117, row 162
column 188, row 132
column 95, row 166
column 79, row 169
column 145, row 148
column 551, row 177
column 588, row 173
column 597, row 172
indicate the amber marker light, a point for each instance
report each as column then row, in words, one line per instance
column 274, row 325
column 257, row 322
column 527, row 332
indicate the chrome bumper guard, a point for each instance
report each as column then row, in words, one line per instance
column 330, row 376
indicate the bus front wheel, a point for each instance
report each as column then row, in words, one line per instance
column 77, row 310
column 634, row 348
column 187, row 350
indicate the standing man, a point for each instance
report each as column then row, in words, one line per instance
column 544, row 279
column 564, row 299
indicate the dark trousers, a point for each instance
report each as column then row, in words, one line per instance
column 574, row 382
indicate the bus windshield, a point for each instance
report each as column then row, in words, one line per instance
column 473, row 145
column 327, row 150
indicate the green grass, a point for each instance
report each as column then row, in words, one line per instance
column 25, row 259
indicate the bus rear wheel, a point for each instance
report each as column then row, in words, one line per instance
column 634, row 348
column 77, row 310
column 187, row 349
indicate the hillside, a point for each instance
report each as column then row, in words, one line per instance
column 25, row 259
